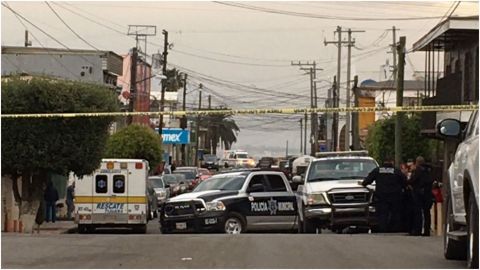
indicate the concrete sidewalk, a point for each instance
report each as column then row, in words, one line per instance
column 59, row 227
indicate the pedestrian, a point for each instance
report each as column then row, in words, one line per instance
column 390, row 182
column 421, row 183
column 51, row 197
column 69, row 200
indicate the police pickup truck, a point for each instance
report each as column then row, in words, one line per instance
column 233, row 203
column 330, row 196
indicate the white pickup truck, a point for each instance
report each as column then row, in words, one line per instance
column 330, row 196
column 461, row 191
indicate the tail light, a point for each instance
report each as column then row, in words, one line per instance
column 138, row 165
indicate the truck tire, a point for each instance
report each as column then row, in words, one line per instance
column 82, row 228
column 234, row 224
column 472, row 229
column 309, row 226
column 452, row 249
column 142, row 228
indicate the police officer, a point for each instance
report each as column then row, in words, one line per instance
column 390, row 182
column 421, row 183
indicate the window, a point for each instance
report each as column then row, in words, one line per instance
column 276, row 183
column 101, row 183
column 118, row 184
column 256, row 179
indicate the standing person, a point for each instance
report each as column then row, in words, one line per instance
column 69, row 200
column 390, row 182
column 421, row 182
column 51, row 197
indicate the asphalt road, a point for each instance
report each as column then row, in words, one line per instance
column 120, row 249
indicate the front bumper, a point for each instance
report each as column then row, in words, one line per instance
column 210, row 221
column 341, row 214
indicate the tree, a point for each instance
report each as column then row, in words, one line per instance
column 34, row 147
column 220, row 126
column 135, row 141
column 381, row 136
column 174, row 80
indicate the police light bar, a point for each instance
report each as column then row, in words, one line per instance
column 360, row 153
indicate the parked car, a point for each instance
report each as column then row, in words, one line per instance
column 461, row 191
column 192, row 174
column 233, row 203
column 204, row 174
column 330, row 195
column 210, row 162
column 177, row 182
column 158, row 192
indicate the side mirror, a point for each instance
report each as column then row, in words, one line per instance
column 167, row 186
column 256, row 188
column 449, row 128
column 297, row 179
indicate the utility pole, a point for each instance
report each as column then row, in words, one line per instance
column 164, row 81
column 337, row 88
column 27, row 42
column 301, row 135
column 305, row 135
column 209, row 102
column 394, row 51
column 286, row 151
column 335, row 115
column 313, row 103
column 398, row 120
column 197, row 129
column 141, row 33
column 184, row 117
column 350, row 44
column 355, row 117
column 133, row 83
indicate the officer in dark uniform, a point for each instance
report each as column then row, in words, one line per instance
column 390, row 182
column 421, row 183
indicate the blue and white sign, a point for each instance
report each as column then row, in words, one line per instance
column 175, row 136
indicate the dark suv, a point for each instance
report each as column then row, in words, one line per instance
column 210, row 162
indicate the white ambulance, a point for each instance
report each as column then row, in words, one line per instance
column 115, row 195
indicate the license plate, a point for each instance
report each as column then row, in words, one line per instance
column 181, row 225
column 209, row 221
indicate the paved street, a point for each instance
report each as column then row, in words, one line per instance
column 114, row 249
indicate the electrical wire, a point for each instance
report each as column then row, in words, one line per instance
column 318, row 16
column 70, row 28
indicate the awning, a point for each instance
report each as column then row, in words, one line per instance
column 448, row 32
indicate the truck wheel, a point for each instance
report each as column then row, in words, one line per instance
column 452, row 249
column 300, row 226
column 309, row 226
column 140, row 228
column 472, row 228
column 234, row 224
column 82, row 228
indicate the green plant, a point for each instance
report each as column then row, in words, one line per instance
column 135, row 141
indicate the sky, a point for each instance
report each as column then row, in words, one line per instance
column 242, row 55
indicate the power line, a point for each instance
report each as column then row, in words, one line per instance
column 317, row 16
column 70, row 28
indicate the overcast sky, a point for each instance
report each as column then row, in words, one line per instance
column 239, row 54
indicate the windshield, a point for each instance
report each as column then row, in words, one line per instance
column 188, row 174
column 233, row 182
column 156, row 182
column 173, row 179
column 209, row 158
column 340, row 169
column 242, row 156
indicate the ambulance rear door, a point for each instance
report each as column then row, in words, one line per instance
column 110, row 196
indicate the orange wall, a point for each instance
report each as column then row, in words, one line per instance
column 366, row 118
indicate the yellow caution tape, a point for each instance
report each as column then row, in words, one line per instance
column 432, row 108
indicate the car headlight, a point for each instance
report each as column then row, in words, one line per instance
column 313, row 199
column 215, row 206
column 161, row 195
